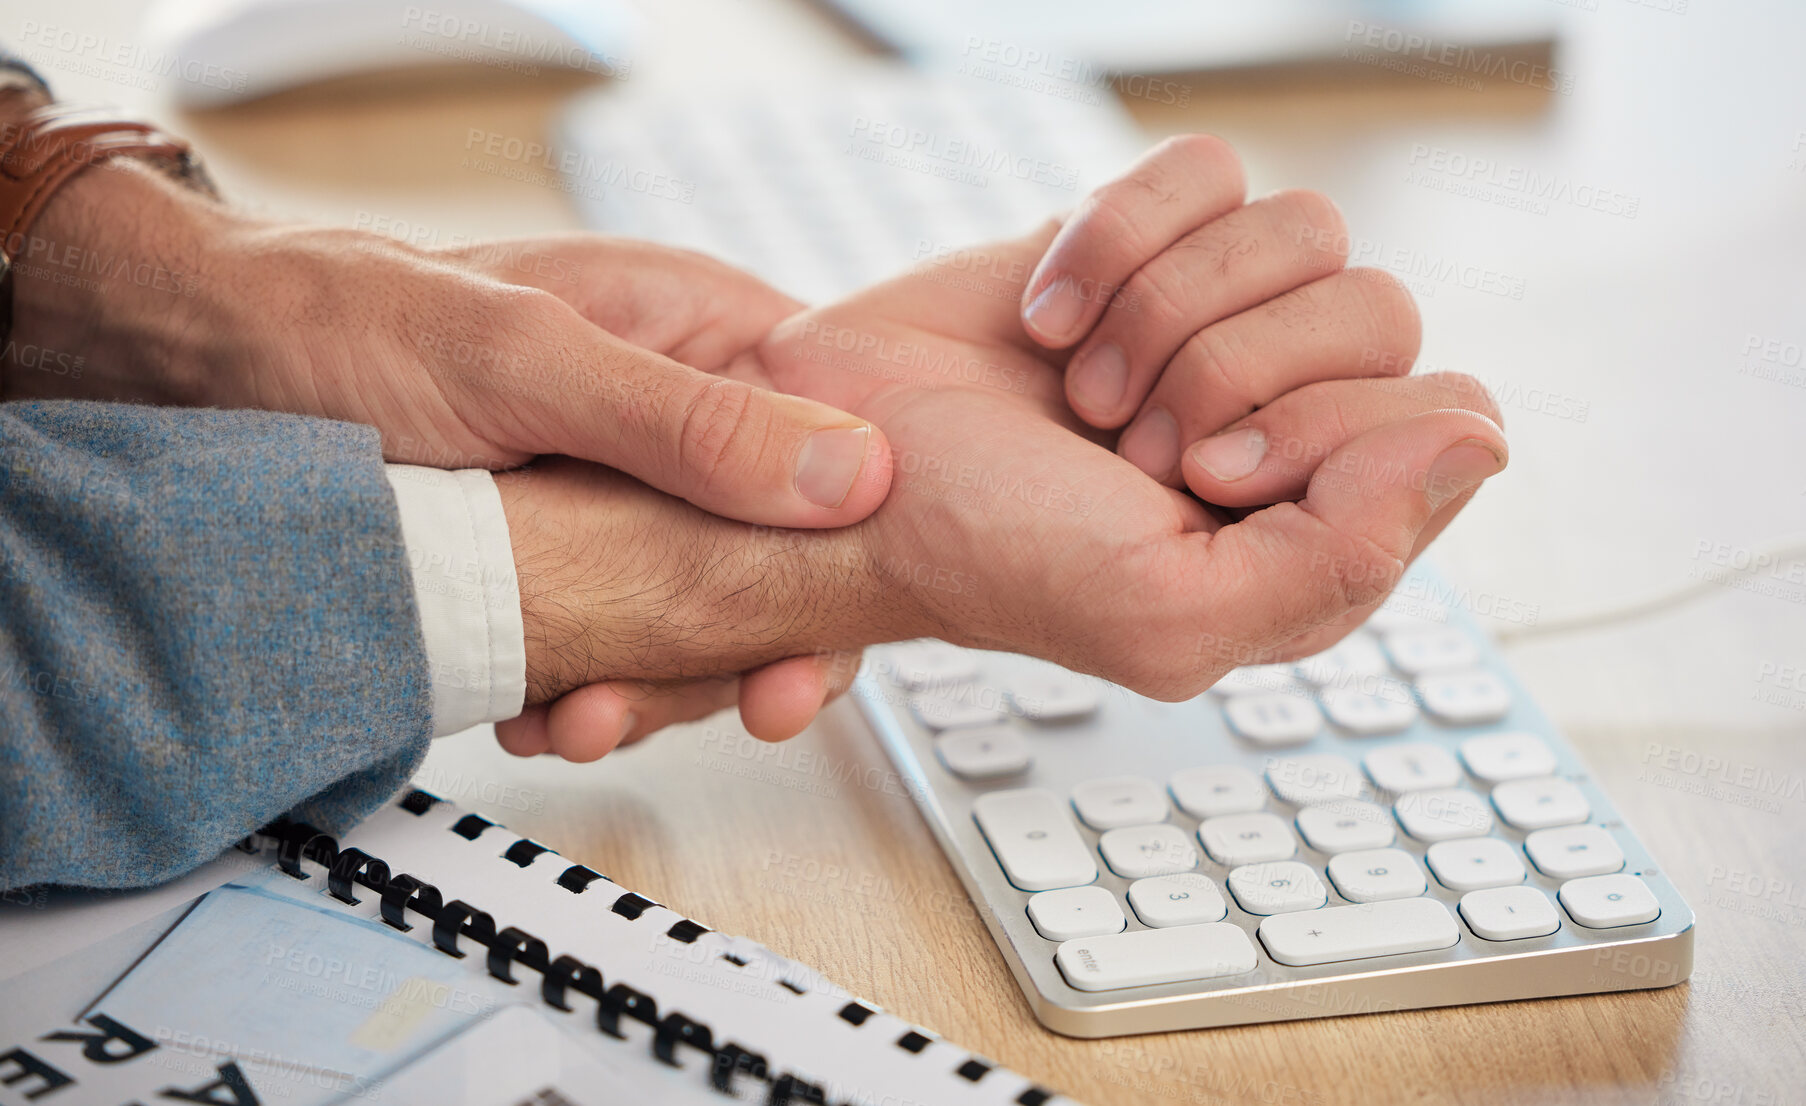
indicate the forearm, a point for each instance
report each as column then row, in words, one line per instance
column 208, row 622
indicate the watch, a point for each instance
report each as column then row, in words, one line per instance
column 42, row 151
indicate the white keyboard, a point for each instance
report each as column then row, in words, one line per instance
column 1389, row 824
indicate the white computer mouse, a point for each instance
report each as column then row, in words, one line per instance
column 221, row 51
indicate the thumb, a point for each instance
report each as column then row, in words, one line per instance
column 729, row 447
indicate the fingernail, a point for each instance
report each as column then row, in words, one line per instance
column 1151, row 443
column 1460, row 467
column 830, row 463
column 1232, row 456
column 1056, row 310
column 628, row 722
column 1100, row 379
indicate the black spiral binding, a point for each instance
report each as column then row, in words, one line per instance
column 729, row 1063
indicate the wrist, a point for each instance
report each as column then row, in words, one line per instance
column 621, row 582
column 107, row 289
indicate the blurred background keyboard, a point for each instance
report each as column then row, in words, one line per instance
column 824, row 189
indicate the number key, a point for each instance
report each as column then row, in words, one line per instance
column 1034, row 839
column 1376, row 875
column 1412, row 766
column 1247, row 838
column 1137, row 852
column 1279, row 887
column 1181, row 900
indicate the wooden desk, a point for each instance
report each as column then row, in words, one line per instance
column 811, row 847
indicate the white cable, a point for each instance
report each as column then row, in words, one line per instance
column 1761, row 557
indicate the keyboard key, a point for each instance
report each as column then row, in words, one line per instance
column 1343, row 664
column 1303, row 781
column 1365, row 712
column 1421, row 652
column 1034, row 839
column 1509, row 913
column 1537, row 804
column 1570, row 852
column 1247, row 838
column 1073, row 912
column 1220, row 789
column 1444, row 814
column 1138, row 852
column 955, row 707
column 1606, row 902
column 1465, row 698
column 1181, row 900
column 1257, row 679
column 1277, row 719
column 919, row 664
column 1143, row 957
column 1475, row 863
column 1508, row 756
column 1414, row 766
column 1277, row 887
column 1119, row 801
column 1345, row 825
column 1376, row 875
column 983, row 753
column 1053, row 696
column 1359, row 932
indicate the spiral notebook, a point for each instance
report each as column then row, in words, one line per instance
column 431, row 956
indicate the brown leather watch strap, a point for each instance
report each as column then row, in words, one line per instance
column 44, row 150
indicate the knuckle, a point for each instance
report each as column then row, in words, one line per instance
column 1390, row 318
column 1311, row 222
column 714, row 423
column 1111, row 219
column 1345, row 571
column 1164, row 290
column 528, row 311
column 1216, row 365
column 1315, row 210
column 531, row 322
column 1204, row 155
column 1356, row 573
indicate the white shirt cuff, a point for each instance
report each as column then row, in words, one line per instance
column 466, row 591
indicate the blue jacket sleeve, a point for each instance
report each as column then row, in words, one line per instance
column 206, row 621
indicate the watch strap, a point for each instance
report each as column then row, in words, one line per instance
column 42, row 151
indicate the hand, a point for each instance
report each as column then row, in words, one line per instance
column 461, row 358
column 1077, row 556
column 1011, row 524
column 479, row 356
